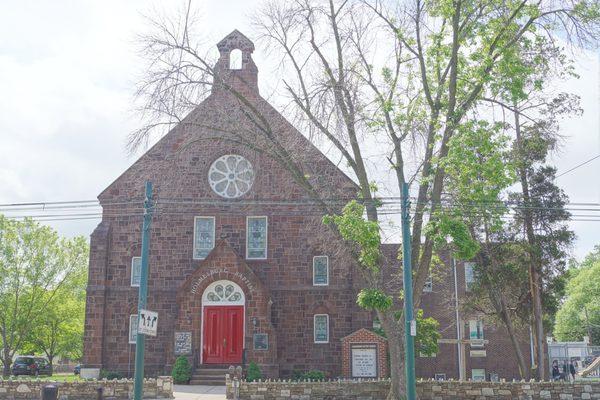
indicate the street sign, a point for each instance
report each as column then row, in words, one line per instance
column 147, row 322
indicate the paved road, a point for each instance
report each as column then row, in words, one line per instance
column 190, row 392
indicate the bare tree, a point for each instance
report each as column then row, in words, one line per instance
column 408, row 74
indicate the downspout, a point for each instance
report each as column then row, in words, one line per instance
column 458, row 324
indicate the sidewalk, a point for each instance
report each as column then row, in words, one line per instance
column 191, row 392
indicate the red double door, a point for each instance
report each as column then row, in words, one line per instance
column 223, row 335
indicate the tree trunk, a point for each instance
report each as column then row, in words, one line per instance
column 7, row 361
column 396, row 350
column 523, row 370
column 535, row 281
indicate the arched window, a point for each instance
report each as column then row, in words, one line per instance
column 235, row 59
column 223, row 293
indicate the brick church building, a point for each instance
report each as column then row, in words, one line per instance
column 240, row 267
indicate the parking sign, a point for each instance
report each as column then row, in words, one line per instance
column 147, row 322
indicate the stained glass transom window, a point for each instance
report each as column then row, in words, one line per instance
column 231, row 176
column 223, row 292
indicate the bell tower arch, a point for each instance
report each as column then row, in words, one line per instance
column 235, row 68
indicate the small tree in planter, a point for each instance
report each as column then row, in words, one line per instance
column 253, row 374
column 182, row 370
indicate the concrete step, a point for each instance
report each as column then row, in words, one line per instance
column 208, row 382
column 209, row 375
column 211, row 372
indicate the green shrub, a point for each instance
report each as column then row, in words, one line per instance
column 110, row 375
column 314, row 375
column 182, row 370
column 297, row 375
column 253, row 374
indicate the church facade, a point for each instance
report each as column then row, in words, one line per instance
column 241, row 268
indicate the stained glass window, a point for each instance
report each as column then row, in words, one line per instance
column 256, row 238
column 204, row 236
column 469, row 275
column 321, row 270
column 133, row 325
column 321, row 328
column 136, row 271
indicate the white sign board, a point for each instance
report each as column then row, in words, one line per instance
column 364, row 361
column 147, row 322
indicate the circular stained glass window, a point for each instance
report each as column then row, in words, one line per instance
column 231, row 176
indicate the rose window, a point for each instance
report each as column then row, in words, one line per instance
column 224, row 293
column 231, row 176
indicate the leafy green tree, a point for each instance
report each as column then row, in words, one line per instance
column 253, row 374
column 579, row 314
column 35, row 265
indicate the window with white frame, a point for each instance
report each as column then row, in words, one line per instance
column 321, row 328
column 469, row 275
column 320, row 271
column 440, row 377
column 428, row 287
column 476, row 332
column 133, row 326
column 256, row 238
column 204, row 236
column 478, row 374
column 136, row 271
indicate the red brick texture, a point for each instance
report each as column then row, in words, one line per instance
column 361, row 337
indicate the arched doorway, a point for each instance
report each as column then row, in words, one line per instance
column 222, row 323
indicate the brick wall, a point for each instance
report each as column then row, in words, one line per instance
column 160, row 388
column 426, row 390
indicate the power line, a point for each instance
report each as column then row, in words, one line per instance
column 577, row 166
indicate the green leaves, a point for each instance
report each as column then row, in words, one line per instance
column 581, row 307
column 428, row 334
column 374, row 299
column 365, row 234
column 42, row 284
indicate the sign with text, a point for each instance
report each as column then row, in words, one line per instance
column 148, row 322
column 183, row 343
column 261, row 341
column 364, row 361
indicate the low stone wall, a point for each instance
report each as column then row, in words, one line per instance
column 24, row 389
column 426, row 390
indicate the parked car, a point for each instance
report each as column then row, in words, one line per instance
column 77, row 369
column 31, row 365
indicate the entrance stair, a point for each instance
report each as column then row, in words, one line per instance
column 209, row 375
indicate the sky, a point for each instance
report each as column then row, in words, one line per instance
column 68, row 71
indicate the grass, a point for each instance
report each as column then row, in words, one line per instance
column 58, row 377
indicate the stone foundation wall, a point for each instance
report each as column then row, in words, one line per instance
column 426, row 390
column 21, row 389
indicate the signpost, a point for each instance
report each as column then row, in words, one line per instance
column 138, row 384
column 410, row 327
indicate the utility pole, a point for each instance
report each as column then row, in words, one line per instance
column 409, row 322
column 138, row 385
column 587, row 323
